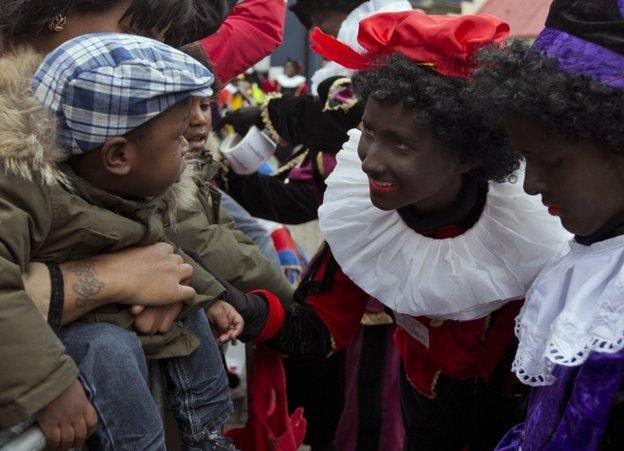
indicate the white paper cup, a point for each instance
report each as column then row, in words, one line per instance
column 246, row 155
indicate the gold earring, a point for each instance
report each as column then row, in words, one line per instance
column 58, row 23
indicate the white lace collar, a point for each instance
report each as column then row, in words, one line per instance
column 575, row 306
column 461, row 278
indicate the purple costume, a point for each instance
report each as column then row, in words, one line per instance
column 571, row 328
column 572, row 413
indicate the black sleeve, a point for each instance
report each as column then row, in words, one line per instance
column 252, row 307
column 303, row 333
column 271, row 198
column 302, row 120
column 57, row 297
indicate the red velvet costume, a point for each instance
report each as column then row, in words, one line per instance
column 459, row 349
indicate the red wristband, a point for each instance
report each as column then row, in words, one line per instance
column 276, row 315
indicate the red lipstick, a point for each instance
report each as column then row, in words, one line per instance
column 382, row 187
column 555, row 211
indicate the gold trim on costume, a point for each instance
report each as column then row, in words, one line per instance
column 336, row 86
column 486, row 327
column 435, row 323
column 333, row 345
column 268, row 125
column 376, row 319
column 434, row 382
column 320, row 164
column 293, row 162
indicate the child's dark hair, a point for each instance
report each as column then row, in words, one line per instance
column 517, row 81
column 195, row 50
column 442, row 103
column 178, row 20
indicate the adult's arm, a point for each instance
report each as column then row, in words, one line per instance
column 271, row 198
column 253, row 30
column 35, row 368
column 318, row 123
column 323, row 319
column 149, row 275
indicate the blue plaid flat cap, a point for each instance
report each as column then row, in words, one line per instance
column 107, row 84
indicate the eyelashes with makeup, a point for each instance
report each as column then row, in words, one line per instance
column 398, row 145
column 402, row 147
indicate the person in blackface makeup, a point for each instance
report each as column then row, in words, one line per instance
column 562, row 101
column 420, row 215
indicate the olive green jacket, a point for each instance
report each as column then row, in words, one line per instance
column 208, row 230
column 47, row 214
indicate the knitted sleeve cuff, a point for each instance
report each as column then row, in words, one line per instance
column 276, row 315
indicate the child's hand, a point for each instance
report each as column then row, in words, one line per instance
column 226, row 320
column 152, row 320
column 68, row 420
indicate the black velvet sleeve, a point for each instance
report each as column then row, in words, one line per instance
column 270, row 198
column 57, row 297
column 303, row 333
column 301, row 120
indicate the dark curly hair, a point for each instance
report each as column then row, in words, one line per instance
column 195, row 50
column 517, row 81
column 180, row 21
column 442, row 102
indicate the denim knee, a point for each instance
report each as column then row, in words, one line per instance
column 109, row 344
column 113, row 371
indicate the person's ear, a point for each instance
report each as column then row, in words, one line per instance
column 118, row 155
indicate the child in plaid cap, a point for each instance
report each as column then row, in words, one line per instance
column 122, row 105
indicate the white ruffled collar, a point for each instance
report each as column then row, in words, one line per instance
column 575, row 307
column 460, row 278
column 290, row 82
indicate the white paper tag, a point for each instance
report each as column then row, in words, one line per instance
column 417, row 330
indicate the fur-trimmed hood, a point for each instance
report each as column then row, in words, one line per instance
column 27, row 129
column 28, row 146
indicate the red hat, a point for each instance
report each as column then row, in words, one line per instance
column 446, row 43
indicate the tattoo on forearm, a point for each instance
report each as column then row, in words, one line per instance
column 88, row 286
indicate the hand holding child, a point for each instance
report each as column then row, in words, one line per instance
column 135, row 271
column 156, row 319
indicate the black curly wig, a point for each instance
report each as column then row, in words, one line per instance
column 442, row 102
column 518, row 82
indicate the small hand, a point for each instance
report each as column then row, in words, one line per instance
column 226, row 320
column 152, row 320
column 68, row 420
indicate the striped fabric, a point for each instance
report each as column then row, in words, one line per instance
column 107, row 84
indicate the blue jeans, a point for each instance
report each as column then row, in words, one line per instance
column 251, row 228
column 113, row 371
